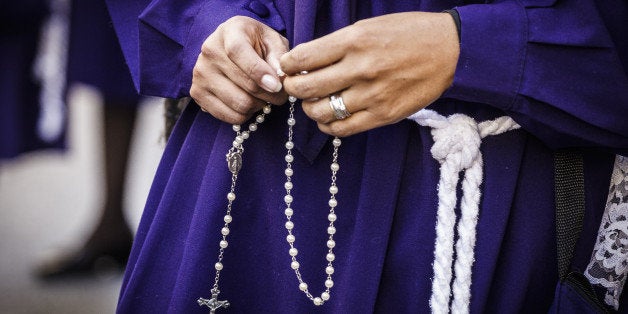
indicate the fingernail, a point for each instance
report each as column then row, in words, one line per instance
column 280, row 73
column 270, row 83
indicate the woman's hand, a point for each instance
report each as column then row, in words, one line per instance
column 236, row 72
column 385, row 68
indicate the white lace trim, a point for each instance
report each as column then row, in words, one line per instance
column 608, row 267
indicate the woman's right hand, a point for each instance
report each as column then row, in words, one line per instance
column 235, row 74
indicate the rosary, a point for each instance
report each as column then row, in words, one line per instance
column 234, row 163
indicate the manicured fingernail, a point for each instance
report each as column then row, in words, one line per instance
column 280, row 73
column 270, row 83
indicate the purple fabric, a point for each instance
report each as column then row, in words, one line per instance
column 513, row 62
column 94, row 55
column 19, row 90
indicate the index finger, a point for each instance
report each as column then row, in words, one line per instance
column 315, row 54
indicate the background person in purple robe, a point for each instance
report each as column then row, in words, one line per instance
column 94, row 59
column 557, row 68
column 20, row 30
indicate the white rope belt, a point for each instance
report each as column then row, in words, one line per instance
column 457, row 141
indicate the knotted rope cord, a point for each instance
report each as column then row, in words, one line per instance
column 457, row 141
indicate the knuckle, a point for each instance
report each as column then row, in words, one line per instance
column 255, row 69
column 233, row 49
column 195, row 92
column 243, row 104
column 299, row 57
column 251, row 86
column 338, row 129
column 240, row 105
column 357, row 36
column 237, row 119
column 230, row 118
column 238, row 19
column 313, row 112
column 370, row 73
column 302, row 88
column 197, row 73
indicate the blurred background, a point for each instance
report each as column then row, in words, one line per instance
column 50, row 202
column 78, row 151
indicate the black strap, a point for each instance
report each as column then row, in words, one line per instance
column 569, row 189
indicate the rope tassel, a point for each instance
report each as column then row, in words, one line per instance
column 457, row 141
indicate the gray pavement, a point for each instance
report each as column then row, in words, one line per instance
column 50, row 201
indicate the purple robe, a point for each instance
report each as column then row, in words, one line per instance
column 559, row 69
column 94, row 55
column 19, row 88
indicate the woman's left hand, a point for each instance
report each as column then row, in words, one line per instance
column 384, row 68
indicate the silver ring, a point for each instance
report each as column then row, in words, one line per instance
column 338, row 106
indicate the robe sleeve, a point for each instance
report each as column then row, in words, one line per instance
column 553, row 66
column 161, row 39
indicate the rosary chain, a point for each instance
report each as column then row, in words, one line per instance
column 234, row 163
column 289, row 211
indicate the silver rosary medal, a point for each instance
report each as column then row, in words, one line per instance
column 234, row 161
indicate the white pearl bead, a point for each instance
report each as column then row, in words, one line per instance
column 329, row 283
column 287, row 199
column 235, row 144
column 292, row 99
column 266, row 109
column 289, row 225
column 259, row 118
column 331, row 230
column 288, row 211
column 329, row 270
column 332, row 217
column 218, row 266
column 294, row 265
column 335, row 166
column 289, row 172
column 224, row 231
column 239, row 139
column 289, row 158
column 333, row 189
column 336, row 142
column 228, row 218
column 317, row 301
column 289, row 145
column 331, row 244
column 293, row 252
column 245, row 135
column 290, row 238
column 288, row 185
column 224, row 244
column 292, row 121
column 325, row 296
column 236, row 127
column 231, row 196
column 252, row 127
column 330, row 257
column 303, row 286
column 332, row 202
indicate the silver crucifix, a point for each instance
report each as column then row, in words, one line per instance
column 213, row 304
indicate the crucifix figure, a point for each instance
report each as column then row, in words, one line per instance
column 213, row 303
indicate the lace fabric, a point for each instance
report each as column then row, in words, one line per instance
column 608, row 267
